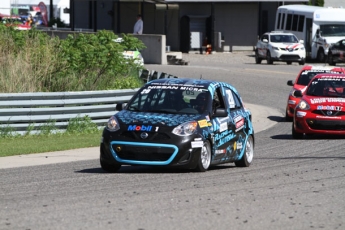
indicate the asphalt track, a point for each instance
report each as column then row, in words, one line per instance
column 260, row 122
column 291, row 184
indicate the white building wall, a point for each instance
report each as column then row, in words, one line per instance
column 5, row 7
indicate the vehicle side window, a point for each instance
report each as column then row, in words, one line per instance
column 218, row 101
column 233, row 100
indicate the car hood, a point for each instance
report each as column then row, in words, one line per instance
column 162, row 119
column 288, row 45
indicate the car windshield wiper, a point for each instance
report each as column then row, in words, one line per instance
column 162, row 111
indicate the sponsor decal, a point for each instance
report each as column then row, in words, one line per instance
column 239, row 124
column 209, row 123
column 325, row 117
column 222, row 138
column 301, row 114
column 203, row 123
column 325, row 100
column 239, row 145
column 207, row 118
column 223, row 126
column 220, row 151
column 328, row 107
column 197, row 144
column 292, row 102
column 140, row 128
column 198, row 139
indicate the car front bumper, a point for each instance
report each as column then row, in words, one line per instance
column 279, row 55
column 177, row 152
column 310, row 123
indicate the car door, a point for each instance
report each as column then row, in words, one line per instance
column 223, row 128
column 238, row 120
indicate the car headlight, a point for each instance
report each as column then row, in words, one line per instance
column 303, row 105
column 185, row 129
column 302, row 48
column 113, row 124
column 275, row 48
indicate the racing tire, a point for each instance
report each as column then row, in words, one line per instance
column 269, row 58
column 302, row 62
column 110, row 168
column 257, row 58
column 321, row 56
column 204, row 161
column 288, row 62
column 330, row 59
column 248, row 155
column 295, row 134
column 287, row 117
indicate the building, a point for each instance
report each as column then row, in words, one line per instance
column 228, row 25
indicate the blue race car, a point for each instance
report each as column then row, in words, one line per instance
column 186, row 123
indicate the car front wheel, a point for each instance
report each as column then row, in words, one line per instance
column 269, row 58
column 248, row 155
column 295, row 134
column 257, row 58
column 205, row 158
column 110, row 168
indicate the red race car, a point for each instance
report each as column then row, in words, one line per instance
column 321, row 109
column 301, row 82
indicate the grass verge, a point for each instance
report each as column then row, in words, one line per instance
column 51, row 143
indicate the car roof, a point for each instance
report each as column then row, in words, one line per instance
column 323, row 67
column 279, row 33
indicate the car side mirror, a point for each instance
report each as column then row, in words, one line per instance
column 298, row 93
column 265, row 40
column 290, row 83
column 301, row 41
column 120, row 106
column 220, row 112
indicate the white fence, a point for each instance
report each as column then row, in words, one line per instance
column 18, row 111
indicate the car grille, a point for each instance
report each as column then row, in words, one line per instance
column 290, row 50
column 289, row 57
column 143, row 153
column 329, row 113
column 326, row 125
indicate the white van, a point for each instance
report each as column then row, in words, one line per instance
column 319, row 27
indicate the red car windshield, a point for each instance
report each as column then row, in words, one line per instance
column 327, row 87
column 307, row 75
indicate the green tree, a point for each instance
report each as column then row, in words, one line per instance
column 316, row 2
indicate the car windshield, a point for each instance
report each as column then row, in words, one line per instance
column 327, row 87
column 286, row 38
column 307, row 75
column 333, row 30
column 170, row 100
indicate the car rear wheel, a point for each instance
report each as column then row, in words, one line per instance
column 302, row 62
column 248, row 155
column 296, row 135
column 257, row 58
column 111, row 168
column 287, row 117
column 289, row 62
column 269, row 58
column 205, row 158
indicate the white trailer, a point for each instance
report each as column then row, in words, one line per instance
column 319, row 27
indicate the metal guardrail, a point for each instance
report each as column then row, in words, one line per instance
column 22, row 111
column 19, row 111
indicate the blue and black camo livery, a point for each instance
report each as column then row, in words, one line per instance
column 227, row 135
